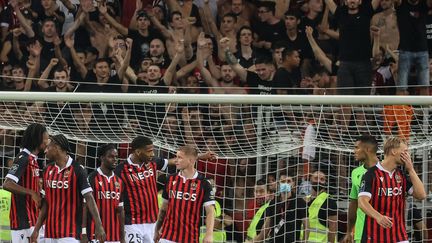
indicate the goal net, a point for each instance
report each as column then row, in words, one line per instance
column 270, row 140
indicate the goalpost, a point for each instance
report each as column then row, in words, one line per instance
column 254, row 136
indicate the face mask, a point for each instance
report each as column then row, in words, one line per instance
column 284, row 187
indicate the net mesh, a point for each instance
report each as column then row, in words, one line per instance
column 274, row 143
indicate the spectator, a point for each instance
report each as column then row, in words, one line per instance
column 322, row 212
column 413, row 49
column 295, row 39
column 288, row 75
column 260, row 205
column 269, row 28
column 6, row 83
column 239, row 8
column 386, row 22
column 260, row 81
column 354, row 22
column 285, row 217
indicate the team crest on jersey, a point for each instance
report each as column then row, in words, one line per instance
column 66, row 174
column 398, row 179
column 117, row 185
column 130, row 170
column 147, row 166
column 174, row 182
column 193, row 186
column 381, row 179
column 100, row 183
column 13, row 169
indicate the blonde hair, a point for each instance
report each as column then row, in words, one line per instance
column 189, row 151
column 392, row 143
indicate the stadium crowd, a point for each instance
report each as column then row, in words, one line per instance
column 323, row 47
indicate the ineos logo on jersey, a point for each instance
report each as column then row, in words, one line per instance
column 183, row 195
column 141, row 175
column 389, row 192
column 108, row 195
column 57, row 184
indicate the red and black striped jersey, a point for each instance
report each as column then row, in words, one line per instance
column 387, row 192
column 107, row 192
column 24, row 172
column 140, row 194
column 186, row 198
column 64, row 190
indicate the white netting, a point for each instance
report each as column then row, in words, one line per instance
column 252, row 141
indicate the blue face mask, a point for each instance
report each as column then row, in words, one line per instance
column 284, row 187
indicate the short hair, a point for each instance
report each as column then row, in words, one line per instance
column 270, row 6
column 33, row 136
column 59, row 69
column 287, row 52
column 174, row 13
column 263, row 60
column 392, row 143
column 368, row 139
column 230, row 15
column 292, row 12
column 104, row 148
column 140, row 142
column 61, row 141
column 189, row 150
column 99, row 60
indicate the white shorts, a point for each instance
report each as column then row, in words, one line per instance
column 61, row 240
column 166, row 241
column 139, row 233
column 23, row 236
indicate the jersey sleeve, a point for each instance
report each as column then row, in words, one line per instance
column 209, row 195
column 122, row 192
column 366, row 184
column 83, row 182
column 18, row 168
column 165, row 190
column 409, row 186
column 161, row 164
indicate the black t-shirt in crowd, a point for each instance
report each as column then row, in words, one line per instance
column 285, row 79
column 286, row 219
column 301, row 44
column 141, row 45
column 411, row 21
column 259, row 86
column 354, row 39
column 91, row 84
column 270, row 33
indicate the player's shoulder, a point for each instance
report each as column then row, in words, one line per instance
column 92, row 174
column 21, row 157
column 203, row 178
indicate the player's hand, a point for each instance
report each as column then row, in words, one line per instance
column 347, row 239
column 385, row 221
column 100, row 234
column 34, row 236
column 406, row 159
column 157, row 236
column 209, row 155
column 37, row 199
column 208, row 238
